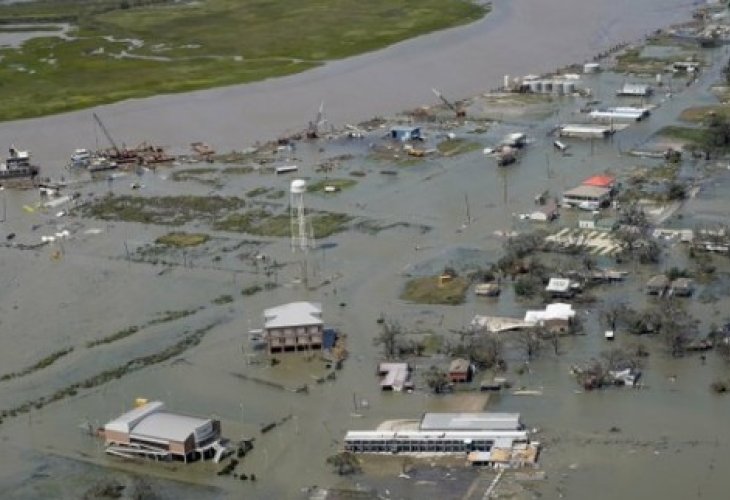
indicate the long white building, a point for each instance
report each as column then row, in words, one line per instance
column 485, row 433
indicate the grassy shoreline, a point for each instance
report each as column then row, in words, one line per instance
column 151, row 47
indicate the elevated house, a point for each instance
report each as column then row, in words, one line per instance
column 587, row 197
column 150, row 431
column 296, row 326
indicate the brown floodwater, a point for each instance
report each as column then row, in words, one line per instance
column 673, row 440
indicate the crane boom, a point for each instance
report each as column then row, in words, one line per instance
column 445, row 101
column 458, row 110
column 106, row 133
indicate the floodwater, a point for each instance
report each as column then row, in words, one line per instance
column 84, row 288
column 519, row 37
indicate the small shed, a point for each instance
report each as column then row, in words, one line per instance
column 404, row 133
column 460, row 371
column 657, row 285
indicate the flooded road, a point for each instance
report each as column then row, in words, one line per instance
column 95, row 283
column 518, row 37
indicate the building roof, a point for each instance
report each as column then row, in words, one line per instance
column 682, row 283
column 635, row 88
column 658, row 281
column 585, row 128
column 478, row 421
column 170, row 427
column 497, row 324
column 605, row 181
column 459, row 365
column 584, row 191
column 404, row 128
column 559, row 310
column 126, row 422
column 395, row 375
column 293, row 314
column 558, row 285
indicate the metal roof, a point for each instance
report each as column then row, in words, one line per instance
column 395, row 375
column 293, row 314
column 480, row 421
column 558, row 285
column 126, row 422
column 605, row 181
column 584, row 191
column 467, row 436
column 557, row 310
column 163, row 426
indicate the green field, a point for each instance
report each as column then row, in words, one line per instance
column 193, row 45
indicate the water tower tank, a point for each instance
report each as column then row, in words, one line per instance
column 298, row 186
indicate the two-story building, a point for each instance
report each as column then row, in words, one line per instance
column 296, row 326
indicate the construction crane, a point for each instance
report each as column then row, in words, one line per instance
column 460, row 113
column 106, row 133
column 319, row 121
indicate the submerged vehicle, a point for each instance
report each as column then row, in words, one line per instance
column 17, row 165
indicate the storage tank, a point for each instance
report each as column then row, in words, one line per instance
column 298, row 186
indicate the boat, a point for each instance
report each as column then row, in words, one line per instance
column 17, row 166
column 101, row 163
column 81, row 158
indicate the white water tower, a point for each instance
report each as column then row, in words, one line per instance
column 302, row 236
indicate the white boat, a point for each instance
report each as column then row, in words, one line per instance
column 100, row 163
column 17, row 165
column 81, row 158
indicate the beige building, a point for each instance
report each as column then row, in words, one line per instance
column 296, row 326
column 150, row 431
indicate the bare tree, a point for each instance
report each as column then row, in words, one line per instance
column 677, row 326
column 437, row 380
column 389, row 337
column 613, row 312
column 485, row 350
column 529, row 342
